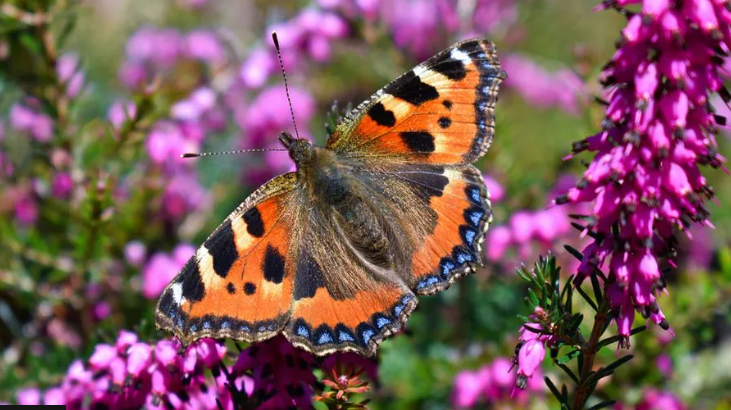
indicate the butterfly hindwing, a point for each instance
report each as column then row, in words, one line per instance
column 440, row 112
column 239, row 283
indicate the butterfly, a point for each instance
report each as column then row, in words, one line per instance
column 334, row 254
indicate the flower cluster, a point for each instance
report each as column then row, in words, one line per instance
column 653, row 399
column 493, row 383
column 131, row 374
column 267, row 375
column 645, row 180
column 415, row 26
column 161, row 268
column 281, row 374
column 529, row 233
column 562, row 88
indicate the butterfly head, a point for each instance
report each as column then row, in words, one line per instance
column 300, row 149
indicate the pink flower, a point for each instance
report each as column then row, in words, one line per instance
column 468, row 388
column 497, row 192
column 120, row 112
column 562, row 88
column 29, row 397
column 162, row 268
column 135, row 252
column 204, row 45
column 61, row 185
column 659, row 400
column 499, row 240
column 645, row 179
column 26, row 210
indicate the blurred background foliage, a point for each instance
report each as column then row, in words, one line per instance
column 69, row 262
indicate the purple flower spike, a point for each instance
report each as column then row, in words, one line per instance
column 645, row 179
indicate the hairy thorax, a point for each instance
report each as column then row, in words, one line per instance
column 332, row 185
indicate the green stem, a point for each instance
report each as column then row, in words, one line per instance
column 590, row 349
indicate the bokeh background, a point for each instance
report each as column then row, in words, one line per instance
column 98, row 213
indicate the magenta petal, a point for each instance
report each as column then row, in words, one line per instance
column 530, row 356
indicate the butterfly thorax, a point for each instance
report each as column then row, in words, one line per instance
column 331, row 186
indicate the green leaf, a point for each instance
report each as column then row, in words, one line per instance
column 569, row 356
column 607, row 371
column 597, row 289
column 602, row 405
column 555, row 391
column 614, row 339
column 575, row 252
column 533, row 298
column 587, row 298
column 569, row 373
column 32, row 43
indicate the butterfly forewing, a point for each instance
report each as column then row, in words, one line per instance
column 440, row 112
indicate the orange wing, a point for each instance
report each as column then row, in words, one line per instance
column 258, row 275
column 441, row 112
column 239, row 283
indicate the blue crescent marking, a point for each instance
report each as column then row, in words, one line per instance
column 302, row 331
column 324, row 338
column 367, row 335
column 382, row 321
column 475, row 195
column 344, row 337
column 475, row 217
column 470, row 236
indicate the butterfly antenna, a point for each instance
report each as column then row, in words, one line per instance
column 238, row 151
column 284, row 76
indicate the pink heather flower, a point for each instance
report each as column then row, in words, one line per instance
column 499, row 239
column 659, row 400
column 468, row 388
column 664, row 364
column 120, row 112
column 135, row 253
column 54, row 397
column 25, row 119
column 645, row 180
column 204, row 45
column 493, row 383
column 61, row 185
column 135, row 373
column 162, row 268
column 497, row 192
column 257, row 67
column 522, row 226
column 26, row 210
column 102, row 356
column 102, row 310
column 29, row 397
column 280, row 371
column 562, row 88
column 66, row 67
column 268, row 114
column 184, row 194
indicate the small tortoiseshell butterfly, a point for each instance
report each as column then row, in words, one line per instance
column 332, row 255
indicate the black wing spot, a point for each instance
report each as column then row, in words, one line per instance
column 447, row 104
column 222, row 248
column 190, row 278
column 411, row 89
column 273, row 265
column 307, row 278
column 254, row 224
column 450, row 67
column 418, row 141
column 249, row 288
column 445, row 122
column 231, row 288
column 382, row 116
